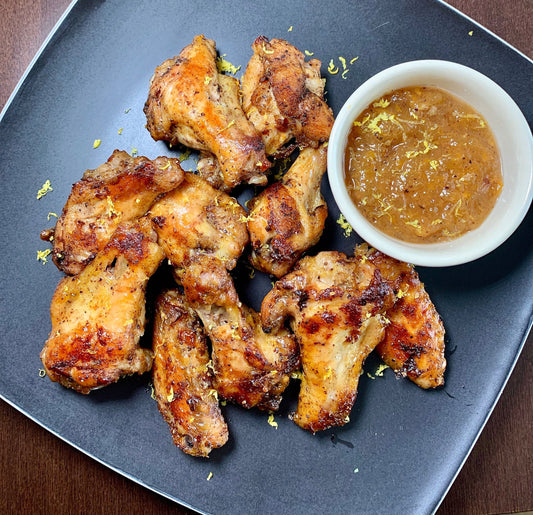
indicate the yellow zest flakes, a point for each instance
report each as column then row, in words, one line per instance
column 213, row 393
column 120, row 131
column 328, row 373
column 332, row 68
column 223, row 402
column 306, row 52
column 290, row 29
column 355, row 471
column 347, row 419
column 184, row 156
column 111, row 211
column 343, row 62
column 436, row 221
column 230, row 124
column 297, row 374
column 361, row 123
column 381, row 117
column 165, row 167
column 210, row 475
column 96, row 143
column 152, row 391
column 271, row 421
column 128, row 322
column 133, row 151
column 207, row 80
column 471, row 33
column 225, row 66
column 170, row 396
column 381, row 103
column 380, row 370
column 371, row 376
column 385, row 320
column 434, row 164
column 51, row 214
column 267, row 51
column 402, row 293
column 345, row 226
column 42, row 255
column 45, row 188
column 427, row 147
column 42, row 372
column 415, row 224
column 126, row 111
column 354, row 59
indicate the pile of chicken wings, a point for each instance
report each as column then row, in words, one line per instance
column 324, row 315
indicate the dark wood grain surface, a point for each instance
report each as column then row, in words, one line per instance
column 39, row 473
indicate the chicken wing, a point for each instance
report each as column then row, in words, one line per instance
column 413, row 344
column 335, row 305
column 190, row 103
column 183, row 379
column 121, row 189
column 203, row 232
column 288, row 217
column 283, row 96
column 98, row 316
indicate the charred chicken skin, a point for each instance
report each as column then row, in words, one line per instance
column 283, row 96
column 119, row 190
column 288, row 217
column 183, row 378
column 98, row 316
column 190, row 103
column 335, row 305
column 413, row 345
column 203, row 233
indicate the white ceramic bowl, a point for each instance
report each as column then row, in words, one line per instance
column 513, row 138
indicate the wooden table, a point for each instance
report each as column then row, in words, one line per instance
column 41, row 474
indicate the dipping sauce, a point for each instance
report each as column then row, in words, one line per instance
column 422, row 165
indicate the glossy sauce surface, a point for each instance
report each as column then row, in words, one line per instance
column 422, row 165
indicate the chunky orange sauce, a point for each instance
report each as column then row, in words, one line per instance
column 422, row 165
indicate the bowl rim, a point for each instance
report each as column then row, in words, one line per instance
column 435, row 72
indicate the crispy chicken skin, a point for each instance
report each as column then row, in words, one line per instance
column 121, row 189
column 203, row 233
column 335, row 305
column 183, row 379
column 190, row 103
column 413, row 344
column 288, row 217
column 283, row 96
column 98, row 316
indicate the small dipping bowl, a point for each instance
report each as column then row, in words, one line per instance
column 511, row 133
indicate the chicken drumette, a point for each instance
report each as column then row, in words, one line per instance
column 283, row 96
column 119, row 190
column 203, row 233
column 98, row 316
column 288, row 217
column 183, row 379
column 335, row 305
column 190, row 103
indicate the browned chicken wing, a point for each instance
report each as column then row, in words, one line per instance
column 183, row 379
column 98, row 316
column 283, row 96
column 190, row 103
column 121, row 189
column 288, row 217
column 335, row 305
column 413, row 344
column 203, row 233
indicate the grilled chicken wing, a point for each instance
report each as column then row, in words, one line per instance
column 190, row 103
column 283, row 96
column 203, row 232
column 183, row 379
column 335, row 305
column 121, row 189
column 413, row 344
column 98, row 316
column 288, row 217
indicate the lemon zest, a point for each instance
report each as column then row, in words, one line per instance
column 290, row 29
column 271, row 421
column 209, row 476
column 332, row 68
column 306, row 52
column 45, row 188
column 346, row 227
column 42, row 255
column 224, row 65
column 51, row 214
column 165, row 167
column 111, row 208
column 97, row 143
column 120, row 131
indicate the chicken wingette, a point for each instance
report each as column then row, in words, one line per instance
column 283, row 96
column 288, row 217
column 183, row 378
column 98, row 316
column 119, row 190
column 191, row 103
column 335, row 305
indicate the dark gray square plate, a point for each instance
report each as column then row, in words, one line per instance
column 404, row 446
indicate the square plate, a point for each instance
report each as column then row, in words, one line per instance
column 403, row 446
